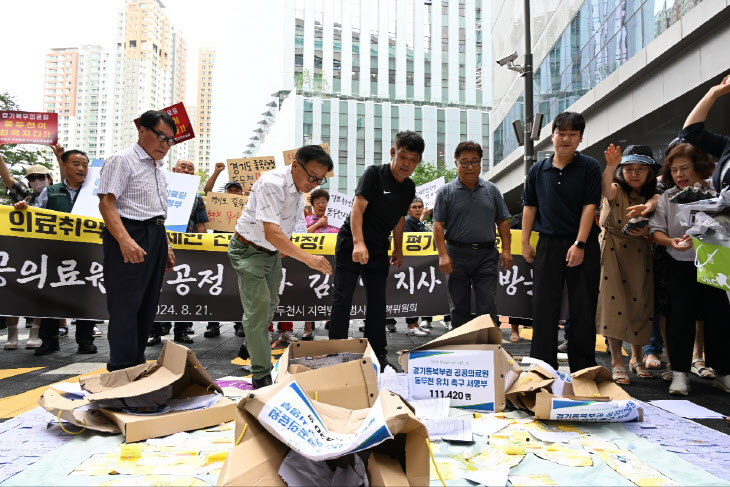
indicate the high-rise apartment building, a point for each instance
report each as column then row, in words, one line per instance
column 202, row 124
column 151, row 63
column 77, row 86
column 355, row 72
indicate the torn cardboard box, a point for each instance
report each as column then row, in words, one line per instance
column 467, row 365
column 177, row 372
column 273, row 420
column 591, row 395
column 347, row 371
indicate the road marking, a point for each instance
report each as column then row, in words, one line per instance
column 77, row 368
column 5, row 373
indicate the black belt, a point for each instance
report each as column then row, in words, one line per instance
column 473, row 246
column 244, row 240
column 158, row 220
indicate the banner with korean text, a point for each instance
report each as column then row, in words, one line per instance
column 289, row 156
column 223, row 210
column 338, row 209
column 28, row 127
column 248, row 170
column 51, row 265
column 183, row 127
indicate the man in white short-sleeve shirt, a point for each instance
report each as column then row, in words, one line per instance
column 263, row 230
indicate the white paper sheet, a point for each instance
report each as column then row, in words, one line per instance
column 488, row 426
column 172, row 440
column 431, row 408
column 554, row 437
column 451, row 429
column 686, row 409
column 395, row 382
column 489, row 477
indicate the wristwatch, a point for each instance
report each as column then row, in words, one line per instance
column 579, row 244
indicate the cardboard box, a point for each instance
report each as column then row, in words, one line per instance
column 591, row 396
column 260, row 449
column 351, row 385
column 177, row 367
column 478, row 341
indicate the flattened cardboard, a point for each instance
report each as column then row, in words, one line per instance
column 258, row 454
column 352, row 385
column 385, row 471
column 177, row 365
column 68, row 410
column 596, row 382
column 524, row 391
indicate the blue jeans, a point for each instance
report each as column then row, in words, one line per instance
column 656, row 344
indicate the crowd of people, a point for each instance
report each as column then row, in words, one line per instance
column 612, row 239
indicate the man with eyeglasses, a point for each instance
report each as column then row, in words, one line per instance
column 560, row 199
column 263, row 231
column 466, row 212
column 382, row 198
column 133, row 202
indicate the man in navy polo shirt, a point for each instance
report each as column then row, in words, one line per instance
column 561, row 195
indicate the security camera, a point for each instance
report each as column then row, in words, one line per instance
column 507, row 59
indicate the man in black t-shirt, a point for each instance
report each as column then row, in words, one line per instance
column 382, row 198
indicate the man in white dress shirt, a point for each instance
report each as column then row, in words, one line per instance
column 263, row 230
column 133, row 202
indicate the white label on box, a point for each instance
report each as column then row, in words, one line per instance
column 603, row 411
column 467, row 377
column 290, row 416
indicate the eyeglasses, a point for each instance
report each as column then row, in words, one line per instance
column 163, row 138
column 36, row 177
column 311, row 178
column 469, row 163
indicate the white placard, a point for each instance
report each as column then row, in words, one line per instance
column 291, row 417
column 181, row 190
column 427, row 191
column 467, row 377
column 338, row 209
column 300, row 227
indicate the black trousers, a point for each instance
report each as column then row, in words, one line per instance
column 132, row 292
column 472, row 269
column 48, row 331
column 551, row 272
column 178, row 327
column 686, row 299
column 374, row 275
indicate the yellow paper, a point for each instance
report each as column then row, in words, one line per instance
column 130, row 451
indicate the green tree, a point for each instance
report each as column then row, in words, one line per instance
column 17, row 157
column 427, row 171
column 203, row 179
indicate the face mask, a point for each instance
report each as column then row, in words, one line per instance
column 39, row 185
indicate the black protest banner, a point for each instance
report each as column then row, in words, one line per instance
column 51, row 265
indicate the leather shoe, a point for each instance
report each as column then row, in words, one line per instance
column 47, row 348
column 182, row 338
column 243, row 352
column 238, row 331
column 166, row 327
column 262, row 382
column 154, row 340
column 212, row 332
column 87, row 348
column 383, row 360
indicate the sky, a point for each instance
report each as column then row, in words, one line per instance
column 245, row 33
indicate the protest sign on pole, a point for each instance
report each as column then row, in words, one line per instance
column 224, row 210
column 289, row 156
column 338, row 208
column 427, row 191
column 28, row 127
column 248, row 170
column 181, row 190
column 184, row 129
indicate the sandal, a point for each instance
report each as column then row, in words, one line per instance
column 620, row 376
column 667, row 375
column 514, row 337
column 652, row 363
column 702, row 370
column 640, row 371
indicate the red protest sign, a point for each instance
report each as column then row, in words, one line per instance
column 28, row 127
column 182, row 122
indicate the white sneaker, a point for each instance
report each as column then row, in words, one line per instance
column 424, row 330
column 97, row 331
column 722, row 382
column 416, row 332
column 680, row 384
column 425, row 325
column 288, row 337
